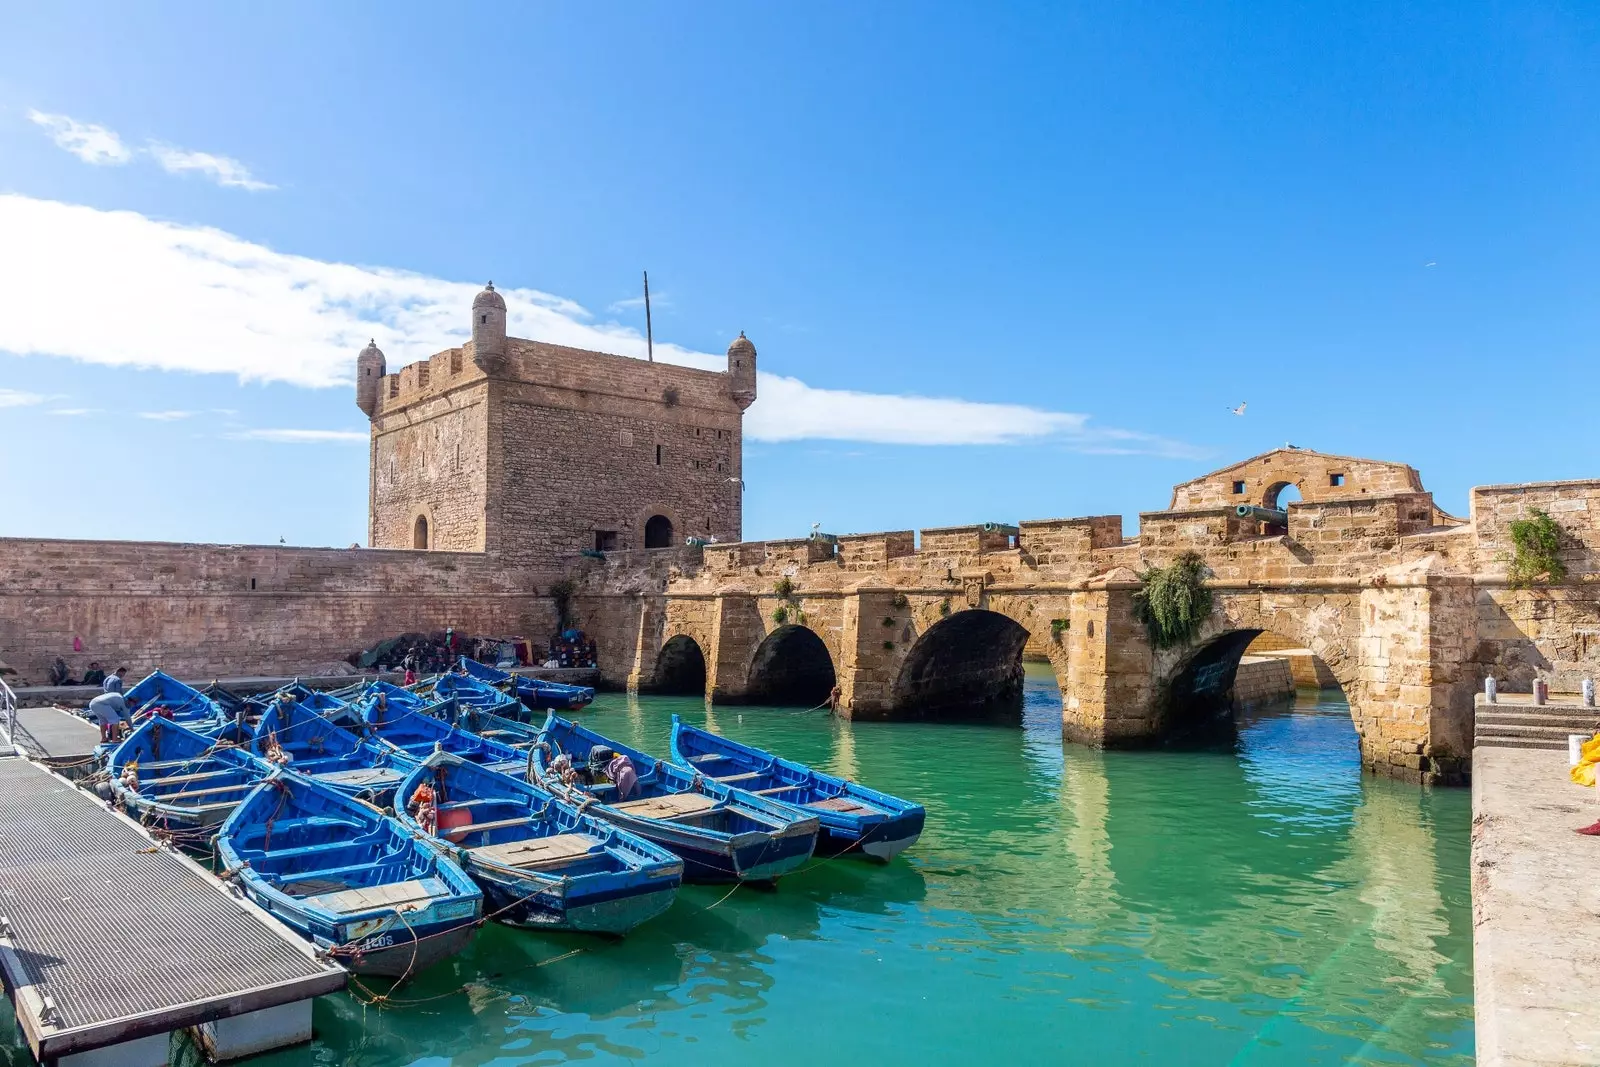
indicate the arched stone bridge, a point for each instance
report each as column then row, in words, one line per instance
column 1407, row 606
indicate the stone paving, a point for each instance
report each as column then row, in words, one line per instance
column 1535, row 911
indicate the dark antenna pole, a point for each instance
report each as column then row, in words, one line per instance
column 649, row 338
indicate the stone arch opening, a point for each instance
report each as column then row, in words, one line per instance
column 1233, row 673
column 1281, row 495
column 658, row 532
column 680, row 668
column 792, row 665
column 419, row 532
column 965, row 666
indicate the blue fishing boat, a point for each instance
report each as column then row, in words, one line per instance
column 722, row 834
column 513, row 732
column 160, row 694
column 471, row 692
column 169, row 776
column 326, row 705
column 536, row 693
column 539, row 861
column 348, row 877
column 415, row 735
column 291, row 735
column 855, row 819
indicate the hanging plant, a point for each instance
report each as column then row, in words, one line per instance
column 1059, row 627
column 944, row 606
column 1537, row 540
column 1173, row 601
column 888, row 620
column 888, row 646
column 780, row 614
column 784, row 587
column 899, row 600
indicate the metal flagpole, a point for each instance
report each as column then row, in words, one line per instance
column 649, row 338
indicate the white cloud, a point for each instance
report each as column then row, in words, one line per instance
column 229, row 173
column 165, row 416
column 16, row 398
column 658, row 302
column 75, row 412
column 303, row 437
column 90, row 143
column 96, row 144
column 187, row 298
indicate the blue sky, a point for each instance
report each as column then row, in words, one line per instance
column 1373, row 222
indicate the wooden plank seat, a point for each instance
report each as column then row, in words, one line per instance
column 213, row 791
column 846, row 806
column 538, row 853
column 456, row 833
column 776, row 789
column 178, row 779
column 734, row 779
column 361, row 776
column 709, row 757
column 392, row 895
column 671, row 806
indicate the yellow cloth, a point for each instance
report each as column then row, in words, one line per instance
column 1589, row 755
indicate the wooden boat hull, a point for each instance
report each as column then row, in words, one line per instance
column 613, row 911
column 855, row 820
column 399, row 952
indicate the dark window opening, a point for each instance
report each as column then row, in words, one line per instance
column 419, row 533
column 658, row 455
column 708, row 526
column 658, row 532
column 483, row 320
column 1238, row 488
column 605, row 540
column 252, row 583
column 1335, row 479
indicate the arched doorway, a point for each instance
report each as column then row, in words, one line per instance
column 965, row 666
column 680, row 668
column 658, row 532
column 791, row 666
column 419, row 532
column 1280, row 495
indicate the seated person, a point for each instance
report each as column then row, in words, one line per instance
column 59, row 674
column 95, row 675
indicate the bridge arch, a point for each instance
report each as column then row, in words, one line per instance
column 965, row 664
column 1196, row 682
column 791, row 665
column 680, row 667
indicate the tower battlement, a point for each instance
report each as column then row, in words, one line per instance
column 535, row 451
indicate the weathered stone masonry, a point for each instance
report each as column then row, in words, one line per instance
column 1407, row 607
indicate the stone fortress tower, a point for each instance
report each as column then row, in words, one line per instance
column 533, row 451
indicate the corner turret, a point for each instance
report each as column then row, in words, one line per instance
column 742, row 371
column 370, row 370
column 489, row 331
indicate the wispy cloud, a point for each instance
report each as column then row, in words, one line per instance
column 75, row 412
column 658, row 302
column 302, row 437
column 16, row 398
column 96, row 144
column 90, row 143
column 165, row 416
column 186, row 298
column 226, row 172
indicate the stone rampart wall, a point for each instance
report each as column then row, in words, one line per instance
column 212, row 610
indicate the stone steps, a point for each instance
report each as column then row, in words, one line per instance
column 1531, row 726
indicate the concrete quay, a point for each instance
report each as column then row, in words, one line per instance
column 1535, row 911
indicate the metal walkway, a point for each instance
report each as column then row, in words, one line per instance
column 106, row 938
column 54, row 735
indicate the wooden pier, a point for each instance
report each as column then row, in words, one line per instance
column 108, row 943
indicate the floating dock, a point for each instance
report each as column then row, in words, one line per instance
column 53, row 736
column 108, row 942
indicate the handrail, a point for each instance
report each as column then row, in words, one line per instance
column 8, row 712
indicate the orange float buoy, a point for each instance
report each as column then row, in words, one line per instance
column 450, row 820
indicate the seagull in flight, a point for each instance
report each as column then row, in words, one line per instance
column 1240, row 409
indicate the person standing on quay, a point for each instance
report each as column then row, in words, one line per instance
column 113, row 682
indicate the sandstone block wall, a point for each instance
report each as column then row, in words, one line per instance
column 231, row 609
column 1262, row 679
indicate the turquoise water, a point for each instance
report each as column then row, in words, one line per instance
column 1262, row 904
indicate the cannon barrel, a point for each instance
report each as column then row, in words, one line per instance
column 1001, row 528
column 1250, row 511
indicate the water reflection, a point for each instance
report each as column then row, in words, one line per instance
column 1259, row 904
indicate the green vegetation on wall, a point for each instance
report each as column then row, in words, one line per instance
column 1537, row 540
column 1173, row 601
column 561, row 593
